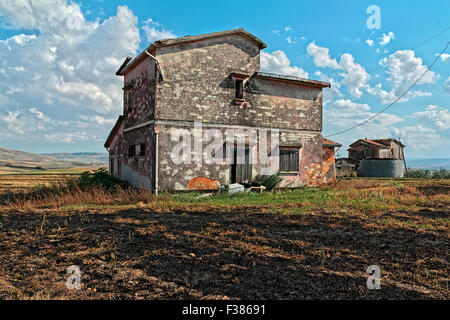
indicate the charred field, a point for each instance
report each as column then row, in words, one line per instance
column 310, row 243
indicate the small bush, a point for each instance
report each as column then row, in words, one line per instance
column 428, row 174
column 270, row 182
column 100, row 179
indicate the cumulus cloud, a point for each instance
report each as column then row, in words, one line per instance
column 386, row 38
column 278, row 62
column 321, row 56
column 445, row 57
column 332, row 93
column 60, row 69
column 369, row 42
column 447, row 85
column 345, row 113
column 418, row 137
column 154, row 31
column 355, row 77
column 403, row 69
column 436, row 115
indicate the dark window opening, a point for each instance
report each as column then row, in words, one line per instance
column 239, row 93
column 128, row 100
column 142, row 149
column 131, row 150
column 289, row 159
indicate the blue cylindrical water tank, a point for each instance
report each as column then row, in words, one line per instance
column 381, row 168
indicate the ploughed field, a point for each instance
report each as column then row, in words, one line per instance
column 311, row 243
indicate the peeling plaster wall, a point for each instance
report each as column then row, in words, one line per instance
column 174, row 176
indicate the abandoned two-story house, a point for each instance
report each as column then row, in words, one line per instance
column 215, row 80
column 376, row 149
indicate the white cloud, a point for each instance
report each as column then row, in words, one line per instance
column 436, row 115
column 288, row 28
column 60, row 69
column 345, row 113
column 369, row 42
column 447, row 85
column 153, row 31
column 332, row 93
column 418, row 138
column 403, row 69
column 289, row 40
column 69, row 137
column 321, row 56
column 278, row 62
column 355, row 77
column 445, row 57
column 386, row 38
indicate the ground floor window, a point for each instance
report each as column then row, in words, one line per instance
column 289, row 160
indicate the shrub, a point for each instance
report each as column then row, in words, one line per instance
column 100, row 179
column 270, row 182
column 428, row 174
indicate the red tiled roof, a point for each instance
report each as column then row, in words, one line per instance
column 372, row 142
column 330, row 143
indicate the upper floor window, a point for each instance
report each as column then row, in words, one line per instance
column 128, row 89
column 239, row 80
column 128, row 100
column 239, row 89
column 142, row 149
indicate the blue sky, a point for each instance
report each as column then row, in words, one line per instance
column 58, row 91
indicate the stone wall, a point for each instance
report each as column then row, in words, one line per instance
column 198, row 87
column 177, row 176
column 139, row 170
column 139, row 98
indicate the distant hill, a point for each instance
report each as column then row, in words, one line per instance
column 421, row 163
column 94, row 158
column 18, row 161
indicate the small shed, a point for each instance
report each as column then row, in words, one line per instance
column 346, row 167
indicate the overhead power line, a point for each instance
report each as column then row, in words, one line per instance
column 397, row 99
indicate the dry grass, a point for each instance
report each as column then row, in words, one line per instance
column 302, row 244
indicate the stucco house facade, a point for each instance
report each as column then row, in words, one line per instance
column 214, row 80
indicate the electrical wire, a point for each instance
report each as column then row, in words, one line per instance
column 396, row 99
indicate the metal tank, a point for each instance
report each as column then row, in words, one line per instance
column 381, row 168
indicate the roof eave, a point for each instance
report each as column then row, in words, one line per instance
column 292, row 79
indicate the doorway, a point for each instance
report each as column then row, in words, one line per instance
column 241, row 172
